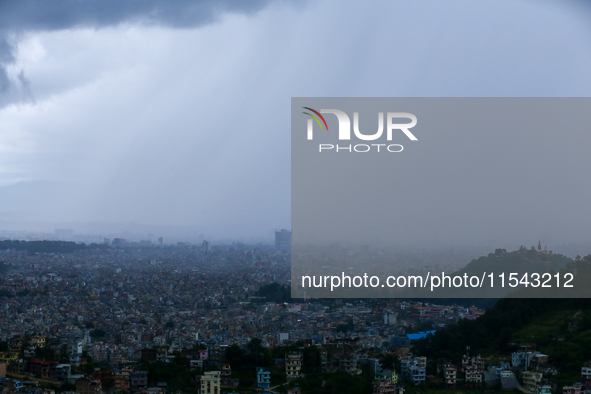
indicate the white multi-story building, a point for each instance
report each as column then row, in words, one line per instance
column 473, row 374
column 451, row 374
column 586, row 370
column 211, row 383
column 414, row 369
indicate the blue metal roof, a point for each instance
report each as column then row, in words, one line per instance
column 420, row 335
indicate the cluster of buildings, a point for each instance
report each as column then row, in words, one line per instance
column 584, row 385
column 117, row 306
column 529, row 371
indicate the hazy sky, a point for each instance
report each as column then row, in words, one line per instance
column 178, row 113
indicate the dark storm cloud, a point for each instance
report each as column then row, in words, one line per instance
column 175, row 126
column 40, row 15
column 63, row 14
column 6, row 57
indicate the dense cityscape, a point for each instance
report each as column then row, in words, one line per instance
column 156, row 318
column 115, row 306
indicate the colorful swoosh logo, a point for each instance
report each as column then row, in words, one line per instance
column 315, row 118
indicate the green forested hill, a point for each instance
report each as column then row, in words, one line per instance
column 560, row 327
column 520, row 261
column 516, row 263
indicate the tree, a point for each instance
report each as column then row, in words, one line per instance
column 235, row 355
column 98, row 333
column 258, row 355
column 390, row 361
column 275, row 292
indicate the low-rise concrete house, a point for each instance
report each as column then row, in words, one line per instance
column 574, row 389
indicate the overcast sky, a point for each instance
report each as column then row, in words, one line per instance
column 178, row 113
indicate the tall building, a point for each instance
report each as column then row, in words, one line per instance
column 205, row 246
column 226, row 375
column 283, row 240
column 293, row 365
column 451, row 374
column 210, row 383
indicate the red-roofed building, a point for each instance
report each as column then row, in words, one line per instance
column 43, row 368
